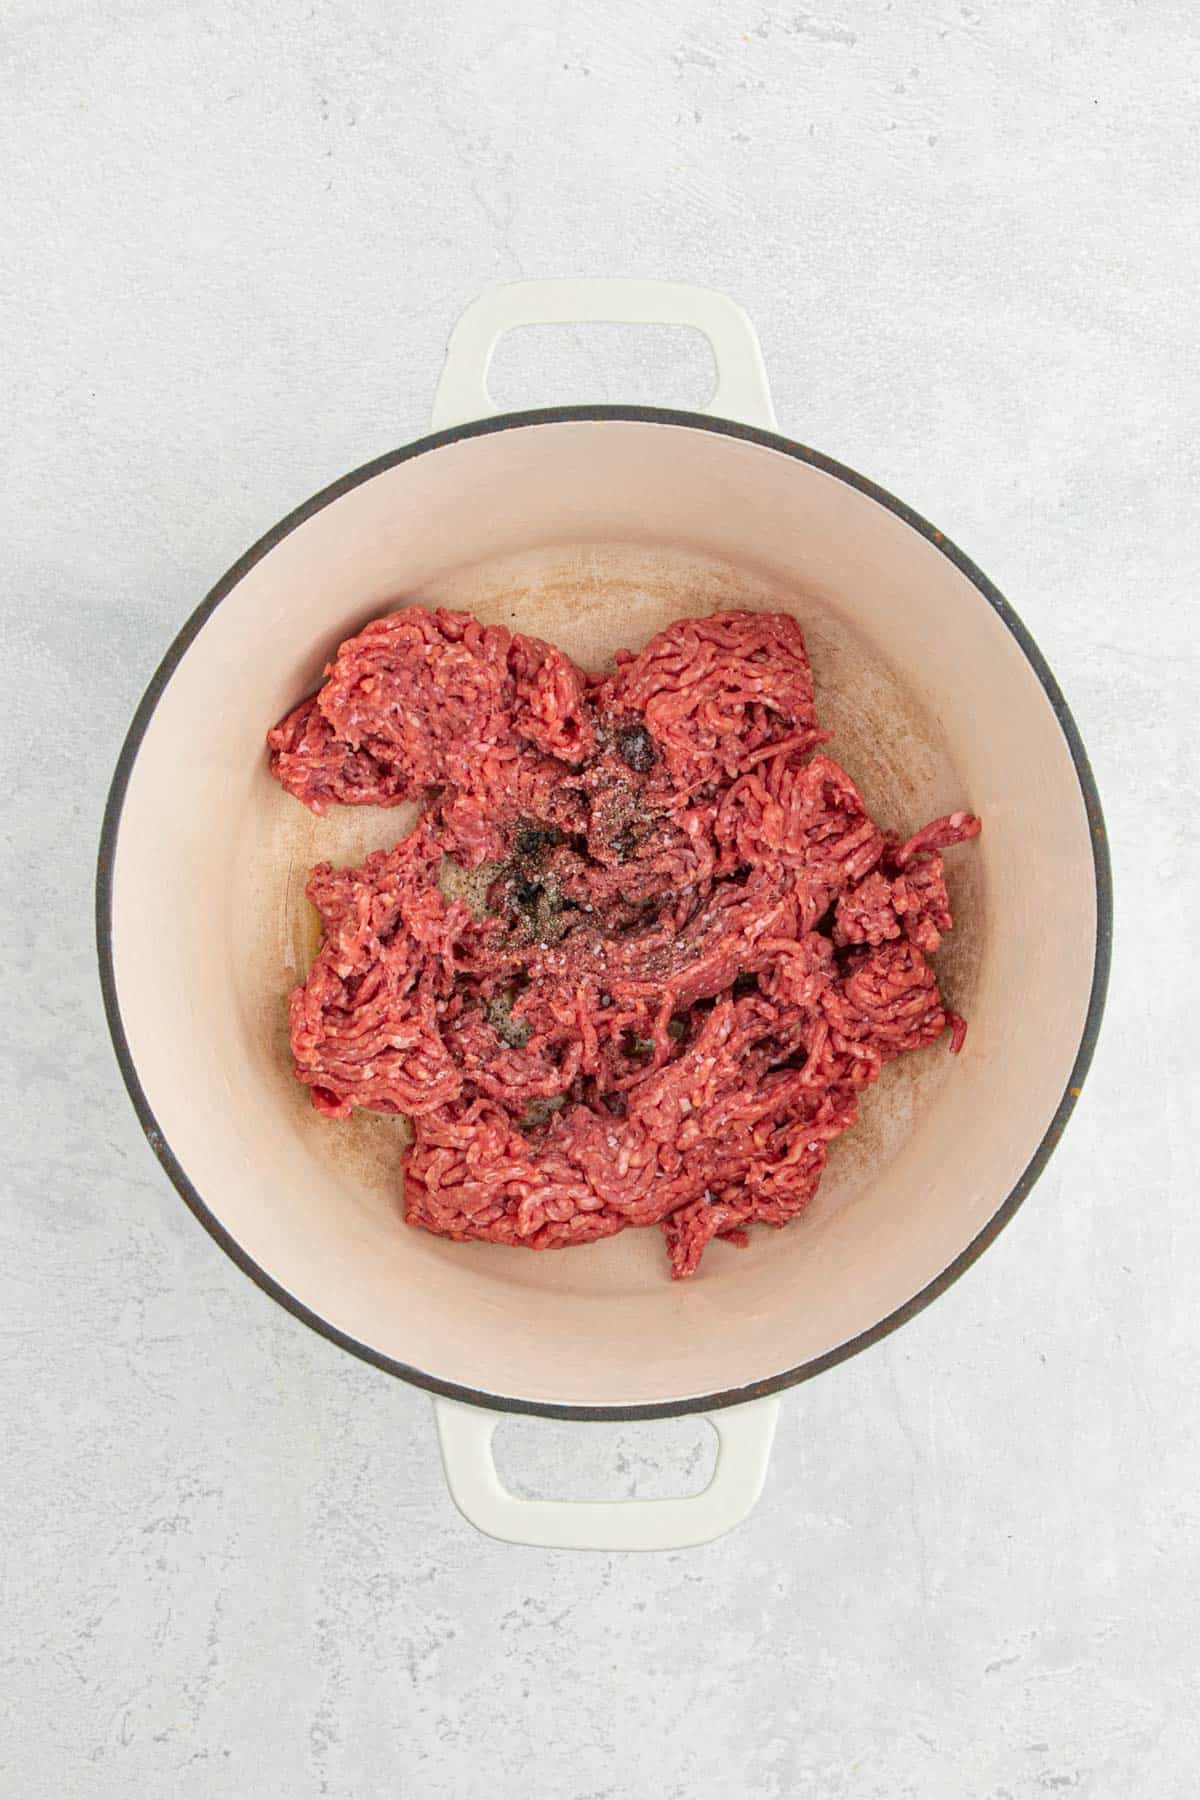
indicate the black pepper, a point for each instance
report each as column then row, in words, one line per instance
column 636, row 748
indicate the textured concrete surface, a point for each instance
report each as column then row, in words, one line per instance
column 236, row 240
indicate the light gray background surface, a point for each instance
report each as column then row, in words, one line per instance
column 237, row 237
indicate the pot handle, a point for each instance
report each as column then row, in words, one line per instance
column 742, row 391
column 744, row 1433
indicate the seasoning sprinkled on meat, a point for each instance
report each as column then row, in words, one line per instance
column 643, row 949
column 635, row 747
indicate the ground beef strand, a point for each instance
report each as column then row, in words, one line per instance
column 698, row 947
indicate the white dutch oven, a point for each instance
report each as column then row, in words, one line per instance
column 592, row 526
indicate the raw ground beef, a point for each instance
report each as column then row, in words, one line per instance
column 695, row 946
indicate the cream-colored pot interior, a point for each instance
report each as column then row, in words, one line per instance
column 594, row 533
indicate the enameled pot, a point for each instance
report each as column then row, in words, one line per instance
column 593, row 526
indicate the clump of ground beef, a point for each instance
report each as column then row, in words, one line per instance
column 697, row 947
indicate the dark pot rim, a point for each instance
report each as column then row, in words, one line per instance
column 655, row 416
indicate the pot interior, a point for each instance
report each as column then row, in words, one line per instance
column 594, row 534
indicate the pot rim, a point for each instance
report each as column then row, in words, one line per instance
column 106, row 864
